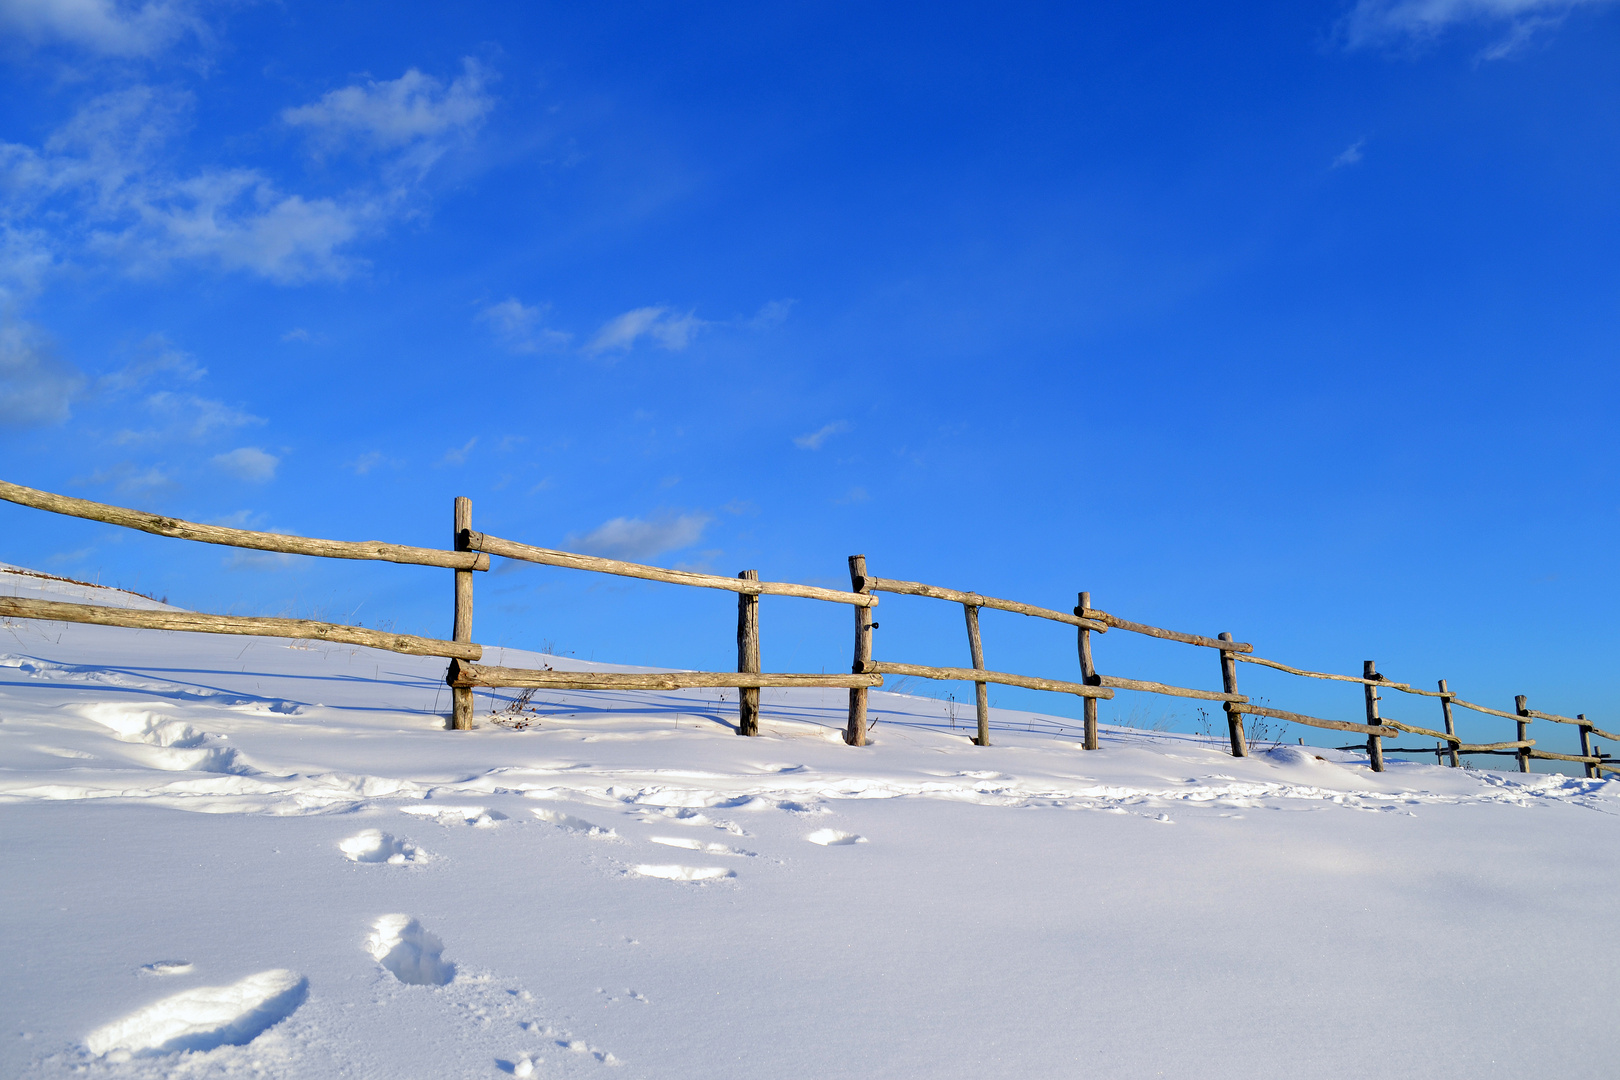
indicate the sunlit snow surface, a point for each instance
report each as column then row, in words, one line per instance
column 626, row 888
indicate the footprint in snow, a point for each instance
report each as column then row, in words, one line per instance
column 671, row 872
column 376, row 846
column 574, row 824
column 166, row 967
column 202, row 1018
column 699, row 845
column 413, row 955
column 834, row 838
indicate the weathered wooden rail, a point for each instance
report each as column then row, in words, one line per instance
column 471, row 552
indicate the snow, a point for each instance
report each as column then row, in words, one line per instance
column 254, row 857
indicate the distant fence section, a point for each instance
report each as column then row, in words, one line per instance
column 471, row 552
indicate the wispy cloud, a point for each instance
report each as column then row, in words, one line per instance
column 413, row 119
column 37, row 388
column 249, row 463
column 670, row 329
column 104, row 27
column 186, row 417
column 459, row 456
column 1396, row 22
column 638, row 539
column 814, row 440
column 518, row 326
column 1351, row 155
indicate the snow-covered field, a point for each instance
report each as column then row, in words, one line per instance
column 253, row 857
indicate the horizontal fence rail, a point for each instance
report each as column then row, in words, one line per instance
column 241, row 538
column 461, row 674
column 472, row 551
column 511, row 549
column 302, row 629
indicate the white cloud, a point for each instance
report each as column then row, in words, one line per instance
column 1378, row 22
column 100, row 185
column 634, row 538
column 158, row 358
column 36, row 388
column 772, row 313
column 459, row 456
column 186, row 417
column 415, row 116
column 1351, row 155
column 814, row 440
column 517, row 326
column 671, row 330
column 107, row 27
column 249, row 463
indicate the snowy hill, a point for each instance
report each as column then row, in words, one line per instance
column 236, row 856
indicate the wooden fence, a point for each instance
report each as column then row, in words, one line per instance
column 471, row 551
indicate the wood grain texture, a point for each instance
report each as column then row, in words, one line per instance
column 159, row 525
column 981, row 691
column 1168, row 635
column 1380, row 681
column 1234, row 715
column 1000, row 678
column 511, row 549
column 1451, row 726
column 1548, row 755
column 1524, row 731
column 1309, row 721
column 917, row 588
column 461, row 698
column 17, row 607
column 1375, row 744
column 748, row 656
column 1482, row 709
column 855, row 730
column 1164, row 688
column 1088, row 672
column 464, row 674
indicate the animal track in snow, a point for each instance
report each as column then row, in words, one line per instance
column 699, row 845
column 376, row 846
column 683, row 816
column 203, row 1018
column 412, row 954
column 683, row 873
column 834, row 838
column 574, row 824
column 166, row 967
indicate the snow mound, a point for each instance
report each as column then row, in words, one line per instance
column 203, row 1018
column 684, row 873
column 834, row 838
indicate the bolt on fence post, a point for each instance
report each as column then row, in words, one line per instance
column 748, row 656
column 461, row 697
column 1375, row 743
column 1524, row 730
column 981, row 692
column 1088, row 674
column 1586, row 746
column 855, row 734
column 1451, row 727
column 1234, row 712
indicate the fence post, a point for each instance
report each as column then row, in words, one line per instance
column 748, row 656
column 1375, row 743
column 855, row 734
column 1088, row 674
column 1234, row 713
column 1586, row 747
column 461, row 697
column 1451, row 728
column 1524, row 731
column 981, row 691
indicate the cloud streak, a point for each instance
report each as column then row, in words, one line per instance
column 671, row 330
column 814, row 440
column 637, row 539
column 103, row 27
column 1389, row 22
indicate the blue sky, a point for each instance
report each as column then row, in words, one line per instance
column 1294, row 320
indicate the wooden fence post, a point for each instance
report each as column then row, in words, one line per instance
column 1234, row 711
column 855, row 734
column 1375, row 743
column 1451, row 728
column 981, row 691
column 1586, row 747
column 748, row 656
column 1088, row 675
column 461, row 697
column 1524, row 730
